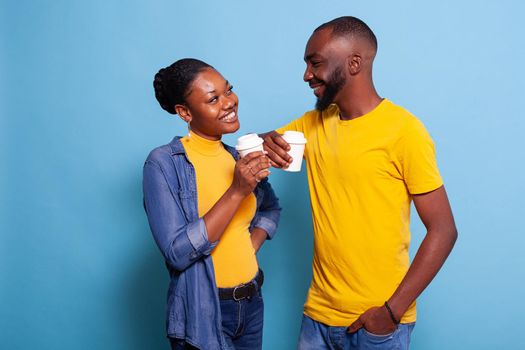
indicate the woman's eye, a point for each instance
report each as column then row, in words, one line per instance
column 213, row 99
column 229, row 91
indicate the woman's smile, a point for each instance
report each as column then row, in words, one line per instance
column 229, row 117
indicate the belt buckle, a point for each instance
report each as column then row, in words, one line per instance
column 235, row 289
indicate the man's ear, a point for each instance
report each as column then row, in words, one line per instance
column 354, row 62
column 183, row 112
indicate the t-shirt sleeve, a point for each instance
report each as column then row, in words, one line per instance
column 418, row 160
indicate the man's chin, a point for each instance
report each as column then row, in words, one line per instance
column 321, row 104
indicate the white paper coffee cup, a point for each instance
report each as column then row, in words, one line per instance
column 249, row 143
column 297, row 142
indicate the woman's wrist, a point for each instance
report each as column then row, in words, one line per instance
column 235, row 193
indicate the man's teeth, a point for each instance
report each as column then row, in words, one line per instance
column 229, row 117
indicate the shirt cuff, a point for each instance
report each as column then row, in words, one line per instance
column 266, row 224
column 198, row 236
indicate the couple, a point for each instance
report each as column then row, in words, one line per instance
column 367, row 160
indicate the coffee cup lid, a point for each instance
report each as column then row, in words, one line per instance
column 248, row 141
column 294, row 137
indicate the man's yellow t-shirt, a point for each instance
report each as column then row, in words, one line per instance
column 362, row 173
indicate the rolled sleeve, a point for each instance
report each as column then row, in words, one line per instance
column 269, row 212
column 266, row 224
column 198, row 236
column 180, row 243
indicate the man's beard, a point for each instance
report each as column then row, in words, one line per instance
column 332, row 86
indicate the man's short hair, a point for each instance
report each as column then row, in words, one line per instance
column 348, row 26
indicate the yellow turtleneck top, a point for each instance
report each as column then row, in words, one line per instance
column 234, row 257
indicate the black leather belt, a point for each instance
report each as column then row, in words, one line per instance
column 244, row 290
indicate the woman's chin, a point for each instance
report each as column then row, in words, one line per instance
column 232, row 127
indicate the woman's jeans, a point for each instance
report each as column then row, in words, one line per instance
column 317, row 336
column 242, row 324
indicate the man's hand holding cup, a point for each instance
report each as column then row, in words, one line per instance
column 285, row 151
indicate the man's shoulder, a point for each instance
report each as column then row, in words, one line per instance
column 401, row 116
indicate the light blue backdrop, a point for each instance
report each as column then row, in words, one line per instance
column 78, row 266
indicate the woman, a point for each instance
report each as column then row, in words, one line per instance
column 209, row 213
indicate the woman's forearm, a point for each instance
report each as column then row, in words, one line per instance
column 222, row 212
column 249, row 171
column 258, row 236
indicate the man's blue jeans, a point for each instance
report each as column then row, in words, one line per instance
column 242, row 324
column 317, row 336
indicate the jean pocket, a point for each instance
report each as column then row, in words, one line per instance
column 370, row 339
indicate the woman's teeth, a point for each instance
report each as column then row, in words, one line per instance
column 229, row 117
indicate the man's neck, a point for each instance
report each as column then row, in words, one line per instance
column 357, row 102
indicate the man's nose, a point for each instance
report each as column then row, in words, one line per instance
column 307, row 76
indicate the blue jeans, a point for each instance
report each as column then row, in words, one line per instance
column 317, row 336
column 242, row 324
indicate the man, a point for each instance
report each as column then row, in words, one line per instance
column 367, row 160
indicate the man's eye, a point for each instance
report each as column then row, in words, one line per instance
column 315, row 64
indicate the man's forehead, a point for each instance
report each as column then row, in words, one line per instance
column 319, row 38
column 322, row 41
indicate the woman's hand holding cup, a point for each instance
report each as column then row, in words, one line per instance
column 249, row 171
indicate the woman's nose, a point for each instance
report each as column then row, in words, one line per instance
column 229, row 102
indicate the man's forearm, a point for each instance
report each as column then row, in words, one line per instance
column 430, row 256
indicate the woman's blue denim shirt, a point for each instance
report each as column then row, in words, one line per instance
column 170, row 200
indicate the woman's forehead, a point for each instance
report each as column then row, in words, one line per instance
column 207, row 81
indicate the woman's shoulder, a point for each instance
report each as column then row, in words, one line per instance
column 163, row 154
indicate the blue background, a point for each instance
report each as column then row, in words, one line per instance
column 78, row 266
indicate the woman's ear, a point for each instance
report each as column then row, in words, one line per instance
column 183, row 112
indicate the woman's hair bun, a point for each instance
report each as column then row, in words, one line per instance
column 172, row 83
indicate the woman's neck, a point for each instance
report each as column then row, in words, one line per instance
column 203, row 145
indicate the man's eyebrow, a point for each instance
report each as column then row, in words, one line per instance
column 310, row 56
